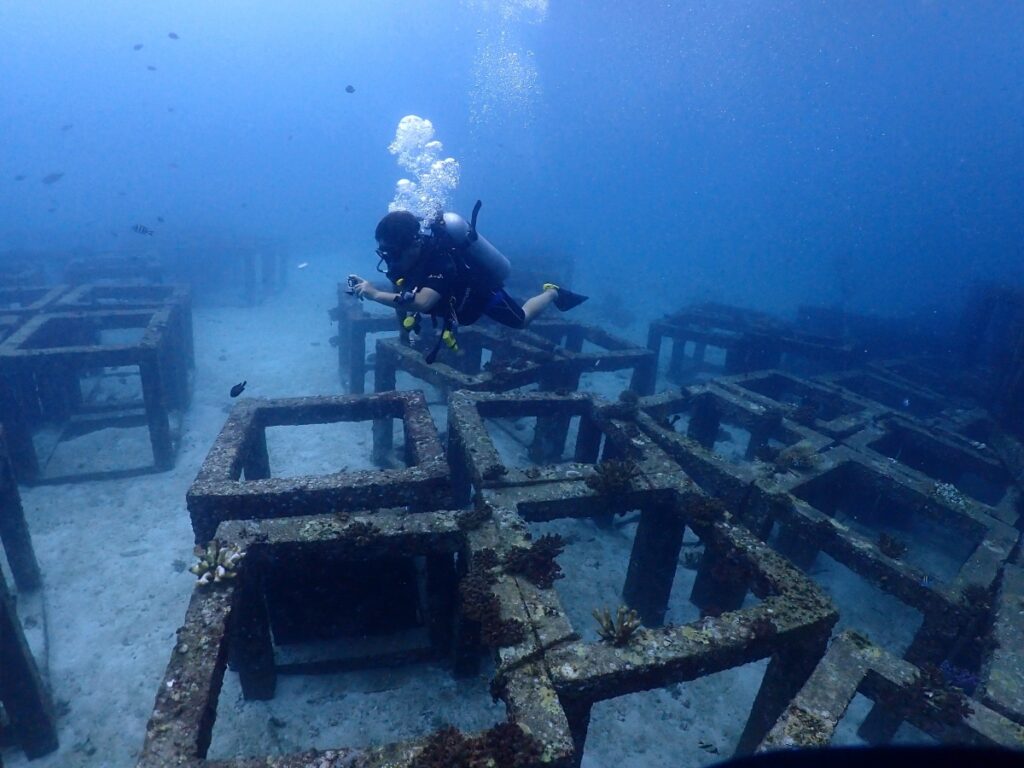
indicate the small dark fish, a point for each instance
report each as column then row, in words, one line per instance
column 170, row 109
column 50, row 178
column 139, row 229
column 151, row 68
column 238, row 389
column 50, row 210
column 20, row 177
column 172, row 165
column 137, row 47
column 350, row 89
column 160, row 219
column 67, row 126
column 173, row 35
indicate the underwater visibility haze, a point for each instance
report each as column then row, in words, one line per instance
column 865, row 158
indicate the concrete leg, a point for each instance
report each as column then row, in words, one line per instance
column 256, row 464
column 787, row 671
column 17, row 542
column 156, row 413
column 384, row 377
column 252, row 649
column 24, row 698
column 711, row 593
column 577, row 713
column 652, row 563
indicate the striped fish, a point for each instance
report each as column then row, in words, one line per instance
column 141, row 230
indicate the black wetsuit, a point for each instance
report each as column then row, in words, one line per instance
column 466, row 294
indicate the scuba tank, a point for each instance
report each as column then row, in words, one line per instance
column 478, row 253
column 485, row 263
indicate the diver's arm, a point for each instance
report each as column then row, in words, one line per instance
column 423, row 299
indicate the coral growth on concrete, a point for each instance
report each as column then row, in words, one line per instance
column 506, row 745
column 620, row 630
column 479, row 604
column 537, row 562
column 613, row 477
column 216, row 563
column 890, row 546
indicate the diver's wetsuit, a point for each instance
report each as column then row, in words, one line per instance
column 468, row 293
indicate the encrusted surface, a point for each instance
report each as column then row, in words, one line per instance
column 220, row 493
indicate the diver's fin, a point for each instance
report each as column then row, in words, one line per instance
column 566, row 299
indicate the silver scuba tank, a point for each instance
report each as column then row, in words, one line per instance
column 480, row 254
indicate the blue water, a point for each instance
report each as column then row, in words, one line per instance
column 766, row 154
column 866, row 155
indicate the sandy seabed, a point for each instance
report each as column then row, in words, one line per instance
column 114, row 555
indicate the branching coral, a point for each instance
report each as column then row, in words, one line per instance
column 506, row 745
column 479, row 604
column 704, row 509
column 762, row 628
column 360, row 532
column 799, row 456
column 474, row 518
column 890, row 546
column 620, row 630
column 613, row 478
column 216, row 563
column 537, row 562
column 943, row 701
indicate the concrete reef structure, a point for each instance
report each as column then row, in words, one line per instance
column 553, row 354
column 235, row 481
column 24, row 693
column 904, row 483
column 854, row 665
column 53, row 363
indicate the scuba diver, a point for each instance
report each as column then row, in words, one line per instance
column 451, row 273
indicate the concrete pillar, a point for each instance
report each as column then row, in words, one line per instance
column 251, row 648
column 652, row 563
column 25, row 700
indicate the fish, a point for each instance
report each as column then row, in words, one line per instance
column 238, row 389
column 137, row 47
column 50, row 178
column 905, row 402
column 151, row 68
column 160, row 219
column 67, row 126
column 303, row 265
column 173, row 35
column 138, row 228
column 20, row 177
column 350, row 89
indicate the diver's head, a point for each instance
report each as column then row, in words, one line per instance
column 398, row 243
